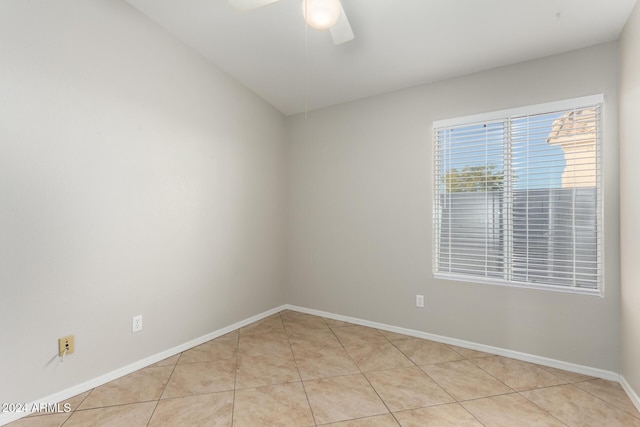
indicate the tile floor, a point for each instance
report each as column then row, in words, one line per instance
column 294, row 369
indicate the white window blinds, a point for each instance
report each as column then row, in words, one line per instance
column 517, row 197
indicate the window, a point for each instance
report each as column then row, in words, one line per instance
column 517, row 197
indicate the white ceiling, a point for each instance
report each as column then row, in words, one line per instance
column 398, row 43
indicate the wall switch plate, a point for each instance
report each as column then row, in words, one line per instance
column 136, row 326
column 65, row 345
column 420, row 301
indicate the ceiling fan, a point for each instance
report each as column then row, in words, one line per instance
column 319, row 14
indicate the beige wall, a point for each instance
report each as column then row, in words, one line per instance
column 135, row 178
column 630, row 198
column 359, row 231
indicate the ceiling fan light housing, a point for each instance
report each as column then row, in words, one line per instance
column 321, row 14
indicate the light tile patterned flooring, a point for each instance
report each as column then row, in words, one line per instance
column 294, row 369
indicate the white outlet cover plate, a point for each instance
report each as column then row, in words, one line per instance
column 136, row 323
column 420, row 301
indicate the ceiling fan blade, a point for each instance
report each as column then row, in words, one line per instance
column 244, row 5
column 341, row 31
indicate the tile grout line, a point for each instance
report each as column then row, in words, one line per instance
column 513, row 391
column 541, row 408
column 528, row 363
column 77, row 406
column 361, row 373
column 415, row 365
column 444, row 389
column 434, row 381
column 163, row 389
column 369, row 382
column 520, row 391
column 153, row 412
column 601, row 399
column 235, row 375
column 568, row 382
column 428, row 376
column 78, row 409
column 469, row 412
column 449, row 394
column 493, row 376
column 304, row 389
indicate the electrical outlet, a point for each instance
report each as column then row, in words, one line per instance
column 137, row 323
column 420, row 301
column 65, row 345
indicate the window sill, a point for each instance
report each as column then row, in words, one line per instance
column 498, row 282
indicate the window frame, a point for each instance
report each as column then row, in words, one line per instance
column 504, row 115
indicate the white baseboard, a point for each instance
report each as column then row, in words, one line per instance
column 544, row 361
column 633, row 396
column 6, row 418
